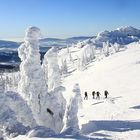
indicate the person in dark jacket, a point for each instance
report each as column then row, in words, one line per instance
column 86, row 96
column 106, row 93
column 93, row 94
column 98, row 95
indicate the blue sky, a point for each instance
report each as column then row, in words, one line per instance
column 66, row 18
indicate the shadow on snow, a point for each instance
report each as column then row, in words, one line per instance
column 135, row 107
column 79, row 137
column 109, row 125
column 108, row 99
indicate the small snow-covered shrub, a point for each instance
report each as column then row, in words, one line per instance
column 64, row 68
column 106, row 48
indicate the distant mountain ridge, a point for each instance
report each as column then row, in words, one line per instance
column 8, row 44
column 8, row 49
column 56, row 42
column 122, row 36
column 70, row 38
column 45, row 42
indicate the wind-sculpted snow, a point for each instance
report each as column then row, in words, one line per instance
column 54, row 75
column 53, row 78
column 15, row 115
column 21, row 109
column 76, row 90
column 87, row 56
column 58, row 107
column 32, row 86
column 72, row 123
column 32, row 34
column 47, row 108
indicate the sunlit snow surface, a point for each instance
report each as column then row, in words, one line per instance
column 117, row 117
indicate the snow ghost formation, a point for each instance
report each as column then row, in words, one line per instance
column 106, row 48
column 116, row 47
column 53, row 77
column 45, row 69
column 82, row 61
column 2, row 84
column 87, row 55
column 14, row 102
column 64, row 67
column 77, row 91
column 53, row 74
column 32, row 85
column 89, row 52
column 72, row 126
column 15, row 115
column 57, row 109
column 36, row 80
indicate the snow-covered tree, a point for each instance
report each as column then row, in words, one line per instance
column 2, row 83
column 70, row 57
column 82, row 62
column 11, row 81
column 87, row 55
column 72, row 126
column 57, row 107
column 64, row 67
column 54, row 73
column 106, row 48
column 58, row 103
column 45, row 69
column 32, row 85
column 15, row 115
column 90, row 52
column 16, row 103
column 116, row 47
column 77, row 91
column 69, row 54
column 68, row 49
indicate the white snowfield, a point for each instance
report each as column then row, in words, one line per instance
column 115, row 118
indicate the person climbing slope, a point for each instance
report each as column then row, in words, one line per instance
column 106, row 93
column 98, row 95
column 86, row 96
column 93, row 94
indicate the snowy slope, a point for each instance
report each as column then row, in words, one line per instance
column 119, row 74
column 115, row 118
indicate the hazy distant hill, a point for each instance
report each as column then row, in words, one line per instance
column 49, row 42
column 126, row 35
column 8, row 49
column 8, row 44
